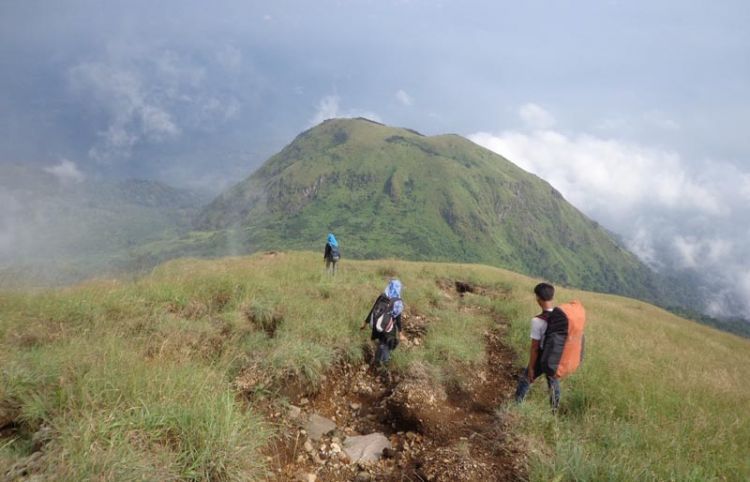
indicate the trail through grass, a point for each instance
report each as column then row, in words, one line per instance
column 150, row 379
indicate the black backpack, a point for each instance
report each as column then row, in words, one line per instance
column 335, row 254
column 383, row 324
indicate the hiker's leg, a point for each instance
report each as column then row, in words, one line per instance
column 328, row 265
column 554, row 392
column 523, row 385
column 334, row 267
column 383, row 354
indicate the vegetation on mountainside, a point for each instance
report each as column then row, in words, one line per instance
column 392, row 192
column 65, row 231
column 140, row 380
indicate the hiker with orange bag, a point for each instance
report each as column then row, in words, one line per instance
column 557, row 344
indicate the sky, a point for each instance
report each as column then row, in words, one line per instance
column 636, row 111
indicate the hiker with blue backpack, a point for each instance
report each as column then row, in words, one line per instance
column 331, row 255
column 385, row 321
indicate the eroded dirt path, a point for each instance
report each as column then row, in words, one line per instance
column 438, row 431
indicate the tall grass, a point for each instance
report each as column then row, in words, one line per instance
column 148, row 379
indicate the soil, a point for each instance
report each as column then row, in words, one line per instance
column 450, row 431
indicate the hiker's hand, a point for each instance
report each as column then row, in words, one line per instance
column 530, row 372
column 402, row 337
column 362, row 327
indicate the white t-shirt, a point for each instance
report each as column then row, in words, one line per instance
column 538, row 327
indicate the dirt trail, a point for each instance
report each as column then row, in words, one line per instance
column 438, row 433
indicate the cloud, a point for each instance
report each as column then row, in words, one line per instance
column 404, row 98
column 674, row 216
column 135, row 111
column 611, row 178
column 329, row 108
column 535, row 117
column 66, row 172
column 149, row 96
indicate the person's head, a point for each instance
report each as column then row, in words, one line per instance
column 545, row 293
column 393, row 290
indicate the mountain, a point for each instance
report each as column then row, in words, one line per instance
column 393, row 192
column 57, row 230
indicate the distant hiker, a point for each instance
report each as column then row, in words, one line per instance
column 556, row 344
column 331, row 255
column 385, row 320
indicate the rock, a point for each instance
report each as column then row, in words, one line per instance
column 335, row 448
column 318, row 426
column 294, row 412
column 355, row 406
column 308, row 446
column 304, row 401
column 41, row 437
column 363, row 477
column 303, row 477
column 366, row 448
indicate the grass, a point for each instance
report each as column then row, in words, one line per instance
column 658, row 398
column 150, row 379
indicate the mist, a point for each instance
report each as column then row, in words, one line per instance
column 635, row 111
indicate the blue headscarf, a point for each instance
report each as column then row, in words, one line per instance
column 393, row 290
column 332, row 240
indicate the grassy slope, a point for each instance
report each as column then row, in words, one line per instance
column 140, row 379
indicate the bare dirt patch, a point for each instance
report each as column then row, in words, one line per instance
column 438, row 431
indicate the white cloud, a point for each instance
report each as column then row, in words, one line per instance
column 404, row 98
column 671, row 214
column 609, row 178
column 329, row 108
column 66, row 172
column 536, row 117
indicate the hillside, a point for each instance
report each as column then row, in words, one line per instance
column 205, row 370
column 387, row 192
column 52, row 231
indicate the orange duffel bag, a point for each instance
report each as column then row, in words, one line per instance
column 564, row 340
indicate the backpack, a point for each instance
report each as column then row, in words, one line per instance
column 564, row 340
column 335, row 254
column 383, row 324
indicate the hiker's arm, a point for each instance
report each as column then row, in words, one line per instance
column 533, row 354
column 367, row 319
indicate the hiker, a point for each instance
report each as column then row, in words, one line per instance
column 545, row 293
column 385, row 320
column 331, row 255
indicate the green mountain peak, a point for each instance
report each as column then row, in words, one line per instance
column 393, row 192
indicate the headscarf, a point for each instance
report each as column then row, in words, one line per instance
column 393, row 290
column 332, row 240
